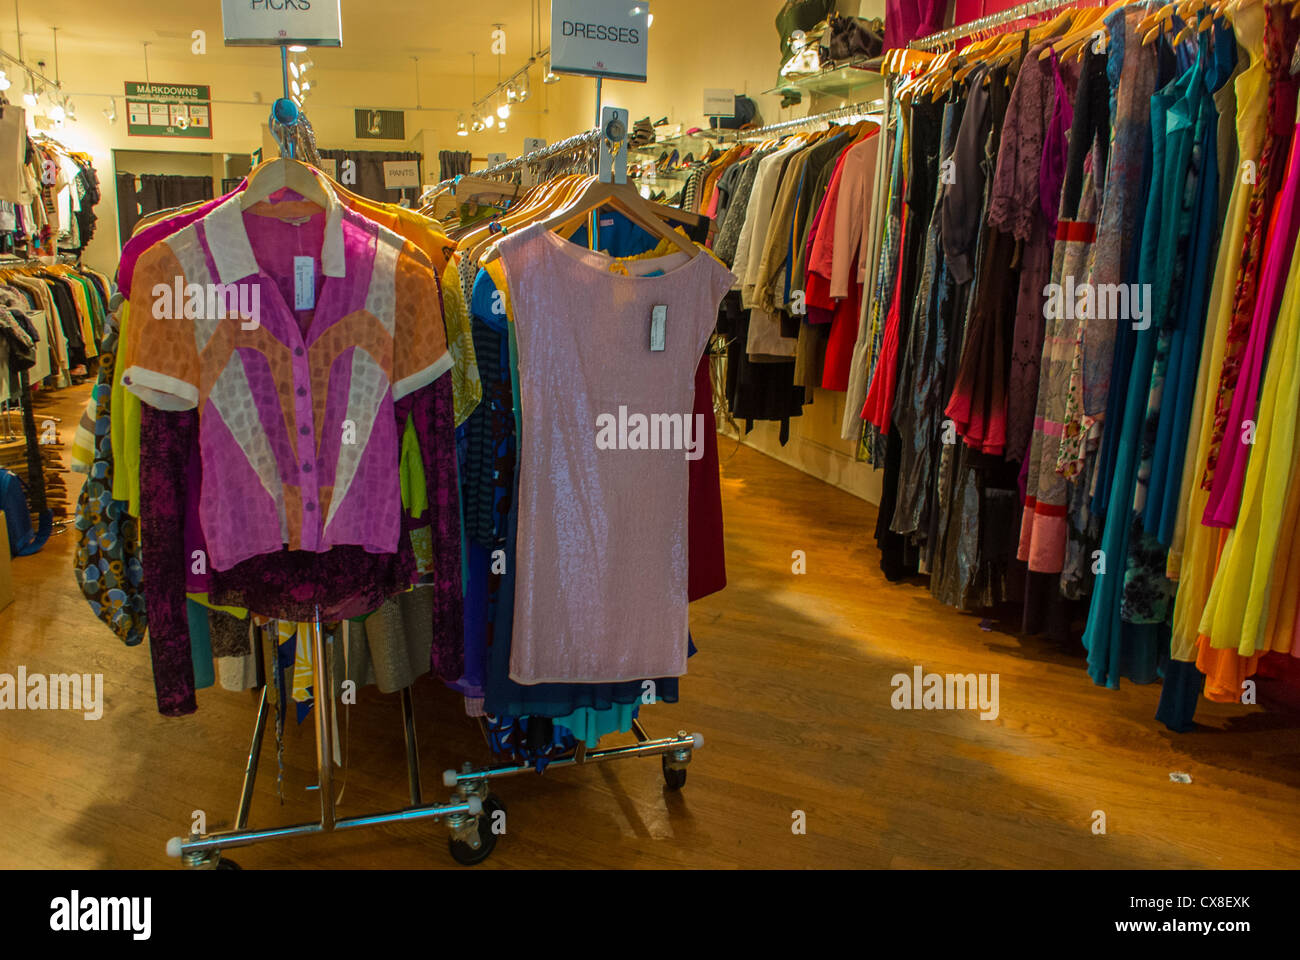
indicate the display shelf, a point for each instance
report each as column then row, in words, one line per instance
column 838, row 81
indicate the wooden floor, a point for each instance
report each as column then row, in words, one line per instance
column 791, row 691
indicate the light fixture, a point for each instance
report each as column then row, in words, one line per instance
column 5, row 82
column 511, row 93
column 57, row 113
column 503, row 109
column 522, row 87
column 550, row 76
column 70, row 108
column 476, row 126
column 110, row 111
column 460, row 126
column 501, row 127
column 489, row 121
column 306, row 86
column 297, row 48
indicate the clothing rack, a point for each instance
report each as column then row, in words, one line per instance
column 579, row 141
column 66, row 259
column 987, row 23
column 470, row 832
column 849, row 110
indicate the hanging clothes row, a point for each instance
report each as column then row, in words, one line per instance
column 47, row 198
column 62, row 310
column 293, row 466
column 1074, row 361
column 582, row 559
column 794, row 219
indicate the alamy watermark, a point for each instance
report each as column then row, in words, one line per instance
column 654, row 431
column 1098, row 301
column 83, row 692
column 208, row 301
column 952, row 691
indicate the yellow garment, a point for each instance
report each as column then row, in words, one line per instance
column 125, row 426
column 1238, row 606
column 302, row 656
column 415, row 491
column 466, row 386
column 1193, row 556
column 203, row 600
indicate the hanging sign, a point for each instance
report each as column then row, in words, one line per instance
column 401, row 173
column 719, row 103
column 597, row 38
column 494, row 158
column 277, row 23
column 181, row 110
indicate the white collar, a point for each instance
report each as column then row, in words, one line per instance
column 233, row 252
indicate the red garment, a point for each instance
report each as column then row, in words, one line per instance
column 843, row 338
column 706, row 559
column 879, row 406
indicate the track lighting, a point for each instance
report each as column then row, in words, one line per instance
column 5, row 82
column 460, row 126
column 503, row 110
column 550, row 76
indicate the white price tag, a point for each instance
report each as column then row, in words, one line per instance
column 304, row 283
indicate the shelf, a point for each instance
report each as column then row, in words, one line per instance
column 840, row 81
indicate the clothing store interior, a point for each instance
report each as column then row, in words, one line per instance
column 781, row 391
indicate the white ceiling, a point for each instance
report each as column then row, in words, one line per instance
column 442, row 33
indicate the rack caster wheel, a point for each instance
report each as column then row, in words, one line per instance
column 465, row 853
column 675, row 779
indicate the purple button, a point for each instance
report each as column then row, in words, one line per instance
column 304, row 430
column 297, row 351
column 302, row 391
column 311, row 508
column 306, row 468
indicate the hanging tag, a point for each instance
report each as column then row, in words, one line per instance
column 658, row 322
column 304, row 283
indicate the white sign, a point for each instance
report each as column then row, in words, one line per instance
column 533, row 144
column 401, row 173
column 719, row 103
column 494, row 158
column 278, row 23
column 330, row 166
column 600, row 38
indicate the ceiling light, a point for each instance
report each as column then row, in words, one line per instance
column 501, row 127
column 489, row 121
column 110, row 111
column 476, row 126
column 71, row 109
column 524, row 92
column 29, row 100
column 297, row 48
column 57, row 114
column 511, row 93
column 550, row 76
column 503, row 111
column 460, row 126
column 5, row 82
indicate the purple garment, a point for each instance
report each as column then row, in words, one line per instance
column 906, row 20
column 1051, row 174
column 1016, row 206
column 161, row 230
column 296, row 418
column 345, row 582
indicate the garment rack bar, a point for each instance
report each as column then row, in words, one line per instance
column 848, row 110
column 572, row 144
column 992, row 20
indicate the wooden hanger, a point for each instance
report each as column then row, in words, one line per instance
column 281, row 174
column 621, row 197
column 1091, row 20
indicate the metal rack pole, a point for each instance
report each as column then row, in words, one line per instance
column 992, row 20
column 852, row 109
